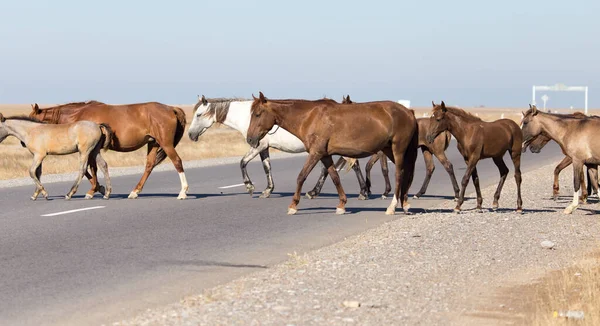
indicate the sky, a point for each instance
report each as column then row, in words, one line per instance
column 467, row 53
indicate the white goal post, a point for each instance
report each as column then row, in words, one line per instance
column 562, row 88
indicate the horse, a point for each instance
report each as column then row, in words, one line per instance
column 536, row 145
column 235, row 113
column 158, row 125
column 353, row 130
column 437, row 148
column 41, row 139
column 477, row 140
column 575, row 136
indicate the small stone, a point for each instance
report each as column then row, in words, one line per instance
column 547, row 244
column 281, row 309
column 351, row 304
column 348, row 320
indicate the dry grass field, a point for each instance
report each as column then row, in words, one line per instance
column 219, row 141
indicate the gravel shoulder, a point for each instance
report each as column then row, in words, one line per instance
column 429, row 268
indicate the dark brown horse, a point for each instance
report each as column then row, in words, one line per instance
column 134, row 125
column 356, row 130
column 575, row 136
column 541, row 140
column 437, row 148
column 477, row 140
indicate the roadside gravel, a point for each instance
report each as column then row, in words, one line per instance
column 428, row 268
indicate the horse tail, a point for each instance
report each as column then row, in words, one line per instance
column 179, row 130
column 410, row 159
column 107, row 136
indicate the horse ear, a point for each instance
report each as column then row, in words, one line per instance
column 530, row 106
column 253, row 97
column 443, row 105
column 204, row 100
column 534, row 110
column 432, row 104
column 2, row 118
column 348, row 98
column 36, row 108
column 262, row 97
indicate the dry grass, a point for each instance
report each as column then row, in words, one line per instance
column 576, row 288
column 218, row 141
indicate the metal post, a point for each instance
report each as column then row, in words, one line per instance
column 586, row 100
column 533, row 96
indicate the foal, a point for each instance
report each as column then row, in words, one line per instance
column 576, row 137
column 478, row 139
column 41, row 139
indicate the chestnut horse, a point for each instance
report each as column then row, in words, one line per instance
column 134, row 125
column 438, row 148
column 575, row 136
column 41, row 139
column 352, row 130
column 536, row 145
column 477, row 140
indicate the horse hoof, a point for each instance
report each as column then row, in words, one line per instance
column 32, row 198
column 390, row 211
column 292, row 211
column 519, row 211
column 106, row 197
column 479, row 210
column 265, row 194
column 182, row 196
column 569, row 209
column 67, row 197
column 416, row 196
column 362, row 197
column 133, row 195
column 88, row 196
column 340, row 211
column 250, row 189
column 495, row 207
column 102, row 190
column 457, row 210
column 384, row 197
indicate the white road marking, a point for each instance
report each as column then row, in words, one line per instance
column 74, row 211
column 232, row 186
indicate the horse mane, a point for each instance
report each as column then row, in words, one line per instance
column 25, row 118
column 219, row 107
column 72, row 104
column 463, row 114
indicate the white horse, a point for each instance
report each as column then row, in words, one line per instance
column 235, row 113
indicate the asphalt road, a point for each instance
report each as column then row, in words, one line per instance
column 102, row 265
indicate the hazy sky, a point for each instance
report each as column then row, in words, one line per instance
column 464, row 52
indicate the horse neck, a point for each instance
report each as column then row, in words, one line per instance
column 289, row 116
column 238, row 116
column 456, row 126
column 20, row 128
column 554, row 127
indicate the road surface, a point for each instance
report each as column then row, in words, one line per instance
column 123, row 256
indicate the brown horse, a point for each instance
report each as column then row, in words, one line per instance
column 541, row 140
column 41, row 139
column 575, row 136
column 134, row 125
column 437, row 148
column 356, row 130
column 477, row 140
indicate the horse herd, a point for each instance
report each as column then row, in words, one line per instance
column 383, row 130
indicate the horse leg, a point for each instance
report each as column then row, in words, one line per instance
column 475, row 177
column 516, row 158
column 397, row 158
column 101, row 163
column 593, row 175
column 244, row 162
column 385, row 172
column 577, row 168
column 368, row 168
column 335, row 177
column 35, row 172
column 174, row 157
column 503, row 169
column 450, row 169
column 266, row 161
column 83, row 165
column 408, row 173
column 93, row 173
column 465, row 183
column 317, row 189
column 361, row 181
column 150, row 160
column 584, row 192
column 310, row 163
column 561, row 166
column 430, row 167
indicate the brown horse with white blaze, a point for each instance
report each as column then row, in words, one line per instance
column 477, row 140
column 158, row 125
column 352, row 130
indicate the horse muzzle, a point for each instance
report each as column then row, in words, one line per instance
column 253, row 141
column 430, row 138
